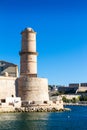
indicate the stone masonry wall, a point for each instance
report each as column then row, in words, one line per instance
column 7, row 87
column 33, row 89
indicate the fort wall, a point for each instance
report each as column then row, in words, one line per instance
column 33, row 89
column 7, row 87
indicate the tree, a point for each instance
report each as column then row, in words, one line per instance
column 83, row 97
column 64, row 99
column 74, row 100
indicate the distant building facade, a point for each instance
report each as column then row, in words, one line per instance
column 83, row 84
column 8, row 69
column 73, row 88
column 67, row 90
column 74, row 85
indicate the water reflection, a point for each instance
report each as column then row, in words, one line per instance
column 33, row 121
column 24, row 121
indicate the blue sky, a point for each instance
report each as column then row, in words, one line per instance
column 61, row 27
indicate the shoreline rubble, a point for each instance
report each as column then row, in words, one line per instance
column 34, row 108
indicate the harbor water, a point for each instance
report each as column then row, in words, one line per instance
column 76, row 119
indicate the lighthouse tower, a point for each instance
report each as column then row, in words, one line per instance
column 28, row 62
column 30, row 87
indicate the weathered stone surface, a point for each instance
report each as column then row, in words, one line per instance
column 33, row 89
column 28, row 53
column 7, row 87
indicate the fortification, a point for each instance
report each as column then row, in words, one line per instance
column 30, row 87
column 28, row 62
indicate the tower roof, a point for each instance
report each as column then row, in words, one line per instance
column 28, row 29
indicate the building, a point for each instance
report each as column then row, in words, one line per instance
column 81, row 87
column 30, row 87
column 83, row 84
column 67, row 90
column 8, row 80
column 74, row 85
column 8, row 69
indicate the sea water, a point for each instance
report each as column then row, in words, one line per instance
column 76, row 119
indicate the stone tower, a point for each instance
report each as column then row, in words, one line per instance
column 30, row 87
column 28, row 62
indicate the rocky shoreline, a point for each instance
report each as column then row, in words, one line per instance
column 34, row 109
column 40, row 109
